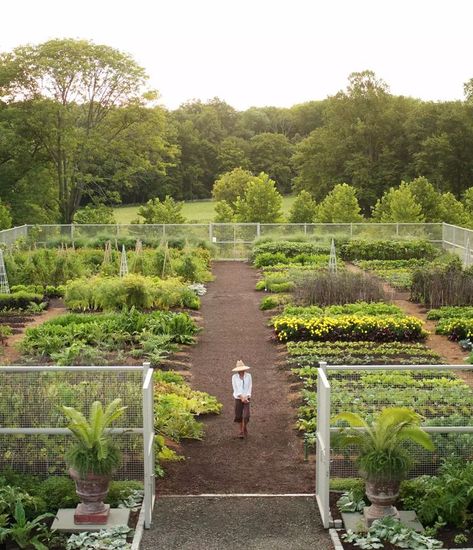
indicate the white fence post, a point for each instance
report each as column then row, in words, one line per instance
column 148, row 444
column 322, row 466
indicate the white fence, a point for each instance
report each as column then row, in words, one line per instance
column 324, row 450
column 31, row 398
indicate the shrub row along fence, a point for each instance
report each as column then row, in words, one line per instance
column 437, row 392
column 232, row 240
column 33, row 439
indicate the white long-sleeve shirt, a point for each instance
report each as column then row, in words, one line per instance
column 241, row 386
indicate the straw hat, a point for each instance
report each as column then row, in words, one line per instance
column 240, row 366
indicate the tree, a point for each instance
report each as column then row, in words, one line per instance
column 166, row 211
column 233, row 153
column 428, row 198
column 224, row 213
column 340, row 206
column 468, row 200
column 261, row 202
column 452, row 210
column 5, row 217
column 68, row 89
column 271, row 153
column 398, row 205
column 303, row 209
column 231, row 185
column 95, row 214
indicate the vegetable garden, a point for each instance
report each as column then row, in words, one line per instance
column 347, row 318
column 108, row 317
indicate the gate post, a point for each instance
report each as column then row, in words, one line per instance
column 322, row 466
column 148, row 445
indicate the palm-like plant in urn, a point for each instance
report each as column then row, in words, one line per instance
column 92, row 459
column 383, row 460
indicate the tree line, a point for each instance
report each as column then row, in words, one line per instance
column 78, row 126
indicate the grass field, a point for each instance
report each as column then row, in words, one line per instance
column 195, row 211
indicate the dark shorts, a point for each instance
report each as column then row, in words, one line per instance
column 242, row 411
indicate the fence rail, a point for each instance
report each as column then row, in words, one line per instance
column 32, row 438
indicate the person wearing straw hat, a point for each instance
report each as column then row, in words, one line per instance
column 242, row 385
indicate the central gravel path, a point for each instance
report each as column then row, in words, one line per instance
column 271, row 459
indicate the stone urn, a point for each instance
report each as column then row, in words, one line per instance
column 382, row 494
column 92, row 491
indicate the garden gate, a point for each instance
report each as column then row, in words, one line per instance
column 31, row 436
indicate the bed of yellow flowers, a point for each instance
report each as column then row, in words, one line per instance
column 349, row 327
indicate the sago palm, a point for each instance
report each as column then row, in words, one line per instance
column 382, row 443
column 94, row 451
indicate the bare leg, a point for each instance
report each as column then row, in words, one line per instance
column 245, row 430
column 242, row 428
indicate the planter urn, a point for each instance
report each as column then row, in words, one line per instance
column 382, row 494
column 92, row 489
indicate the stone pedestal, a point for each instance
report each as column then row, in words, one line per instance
column 65, row 521
column 357, row 523
column 82, row 516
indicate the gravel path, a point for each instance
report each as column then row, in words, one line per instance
column 273, row 523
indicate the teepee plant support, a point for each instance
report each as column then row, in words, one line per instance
column 123, row 263
column 4, row 286
column 332, row 262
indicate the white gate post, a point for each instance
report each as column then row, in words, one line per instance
column 322, row 466
column 148, row 444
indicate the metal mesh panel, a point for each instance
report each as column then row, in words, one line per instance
column 10, row 236
column 34, row 400
column 458, row 241
column 234, row 240
column 440, row 395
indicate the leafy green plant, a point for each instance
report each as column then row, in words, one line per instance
column 387, row 250
column 115, row 537
column 349, row 502
column 94, row 452
column 392, row 531
column 381, row 443
column 26, row 533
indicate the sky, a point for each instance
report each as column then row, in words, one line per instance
column 265, row 52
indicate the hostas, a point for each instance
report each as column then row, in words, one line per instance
column 381, row 443
column 93, row 451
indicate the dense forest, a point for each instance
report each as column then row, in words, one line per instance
column 78, row 126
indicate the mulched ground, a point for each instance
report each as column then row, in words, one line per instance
column 271, row 459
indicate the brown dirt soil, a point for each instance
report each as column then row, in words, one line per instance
column 11, row 354
column 271, row 459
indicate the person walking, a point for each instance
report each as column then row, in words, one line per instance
column 242, row 386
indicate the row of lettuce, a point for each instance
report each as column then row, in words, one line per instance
column 346, row 318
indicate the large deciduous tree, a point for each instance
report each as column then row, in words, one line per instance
column 67, row 90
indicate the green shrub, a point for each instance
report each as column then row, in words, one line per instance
column 288, row 248
column 387, row 250
column 19, row 300
column 269, row 302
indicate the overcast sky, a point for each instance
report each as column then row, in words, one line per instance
column 265, row 52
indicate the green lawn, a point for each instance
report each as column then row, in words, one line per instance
column 195, row 211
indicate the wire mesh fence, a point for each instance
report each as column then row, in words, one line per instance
column 441, row 394
column 32, row 399
column 459, row 240
column 230, row 240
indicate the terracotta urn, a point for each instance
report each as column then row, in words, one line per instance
column 383, row 495
column 92, row 491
